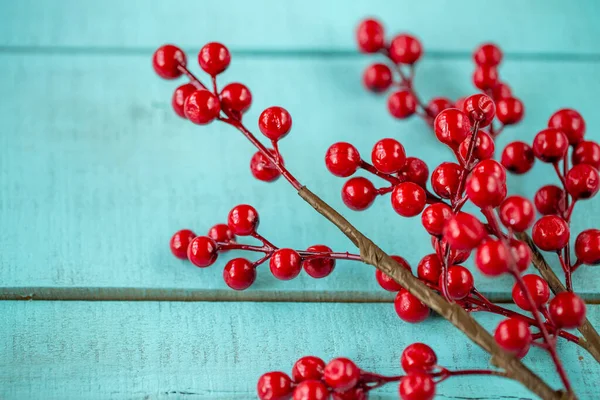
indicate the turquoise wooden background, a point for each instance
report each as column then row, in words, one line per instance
column 96, row 173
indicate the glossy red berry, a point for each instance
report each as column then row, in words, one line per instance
column 492, row 257
column 484, row 147
column 480, row 108
column 587, row 247
column 550, row 145
column 275, row 122
column 445, row 179
column 415, row 170
column 341, row 374
column 418, row 357
column 509, row 110
column 409, row 308
column 236, row 97
column 388, row 156
column 309, row 367
column 408, row 199
column 434, row 218
column 311, row 390
column 521, row 254
column 485, row 190
column 550, row 233
column 517, row 213
column 342, row 159
column 587, row 152
column 490, row 167
column 464, row 232
column 370, row 36
column 201, row 107
column 549, row 199
column 570, row 122
column 517, row 157
column 430, row 268
column 166, row 61
column 567, row 310
column 202, row 251
column 262, row 168
column 537, row 288
column 179, row 97
column 452, row 126
column 358, row 193
column 378, row 78
column 405, row 49
column 386, row 282
column 221, row 233
column 214, row 58
column 487, row 54
column 319, row 267
column 514, row 336
column 180, row 241
column 582, row 181
column 460, row 282
column 501, row 91
column 402, row 104
column 274, row 386
column 243, row 220
column 437, row 105
column 239, row 274
column 285, row 264
column 485, row 77
column 417, row 386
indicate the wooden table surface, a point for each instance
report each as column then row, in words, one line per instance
column 96, row 173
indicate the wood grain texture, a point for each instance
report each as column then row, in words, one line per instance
column 525, row 27
column 147, row 350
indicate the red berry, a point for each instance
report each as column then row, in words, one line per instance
column 587, row 247
column 509, row 110
column 180, row 241
column 214, row 58
column 417, row 386
column 460, row 282
column 409, row 308
column 262, row 168
column 464, row 232
column 201, row 107
column 488, row 54
column 480, row 108
column 167, row 59
column 452, row 126
column 341, row 374
column 485, row 77
column 550, row 145
column 485, row 190
column 243, row 220
column 275, row 122
column 239, row 274
column 202, row 251
column 537, row 288
column 567, row 310
column 437, row 105
column 308, row 367
column 445, row 179
column 388, row 156
column 484, row 146
column 405, row 49
column 402, row 104
column 377, row 77
column 587, row 152
column 517, row 213
column 311, row 390
column 342, row 159
column 236, row 97
column 370, row 36
column 514, row 336
column 521, row 254
column 415, row 170
column 550, row 199
column 550, row 233
column 418, row 357
column 582, row 181
column 517, row 157
column 358, row 193
column 408, row 199
column 430, row 268
column 490, row 167
column 492, row 257
column 570, row 122
column 221, row 233
column 386, row 282
column 501, row 91
column 274, row 386
column 319, row 267
column 456, row 256
column 434, row 218
column 285, row 264
column 179, row 97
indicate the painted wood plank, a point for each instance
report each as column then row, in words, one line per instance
column 161, row 350
column 540, row 26
column 97, row 172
